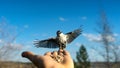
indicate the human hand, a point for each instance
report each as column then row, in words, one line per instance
column 47, row 61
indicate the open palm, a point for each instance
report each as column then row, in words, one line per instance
column 47, row 61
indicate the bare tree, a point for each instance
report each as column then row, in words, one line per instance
column 8, row 35
column 109, row 47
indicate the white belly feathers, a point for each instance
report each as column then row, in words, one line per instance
column 63, row 38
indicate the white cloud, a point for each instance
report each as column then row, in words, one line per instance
column 98, row 38
column 93, row 55
column 62, row 19
column 110, row 38
column 78, row 44
column 16, row 46
column 115, row 34
column 27, row 47
column 92, row 37
column 1, row 41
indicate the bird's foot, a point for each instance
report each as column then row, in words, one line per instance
column 59, row 57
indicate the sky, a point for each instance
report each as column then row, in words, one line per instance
column 40, row 19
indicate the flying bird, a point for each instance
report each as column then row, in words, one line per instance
column 60, row 41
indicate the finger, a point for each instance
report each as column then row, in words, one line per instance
column 61, row 50
column 67, row 58
column 66, row 53
column 36, row 59
column 30, row 55
column 27, row 54
column 54, row 53
column 48, row 53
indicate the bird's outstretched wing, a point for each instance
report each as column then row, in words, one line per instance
column 72, row 35
column 48, row 43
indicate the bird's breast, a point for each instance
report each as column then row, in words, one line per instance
column 63, row 39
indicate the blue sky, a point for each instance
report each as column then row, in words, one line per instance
column 40, row 19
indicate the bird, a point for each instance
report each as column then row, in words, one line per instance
column 60, row 41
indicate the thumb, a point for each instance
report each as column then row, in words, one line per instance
column 36, row 59
column 66, row 53
column 27, row 54
column 67, row 58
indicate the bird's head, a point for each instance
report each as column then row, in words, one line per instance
column 58, row 32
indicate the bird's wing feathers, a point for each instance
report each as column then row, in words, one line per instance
column 48, row 43
column 72, row 35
